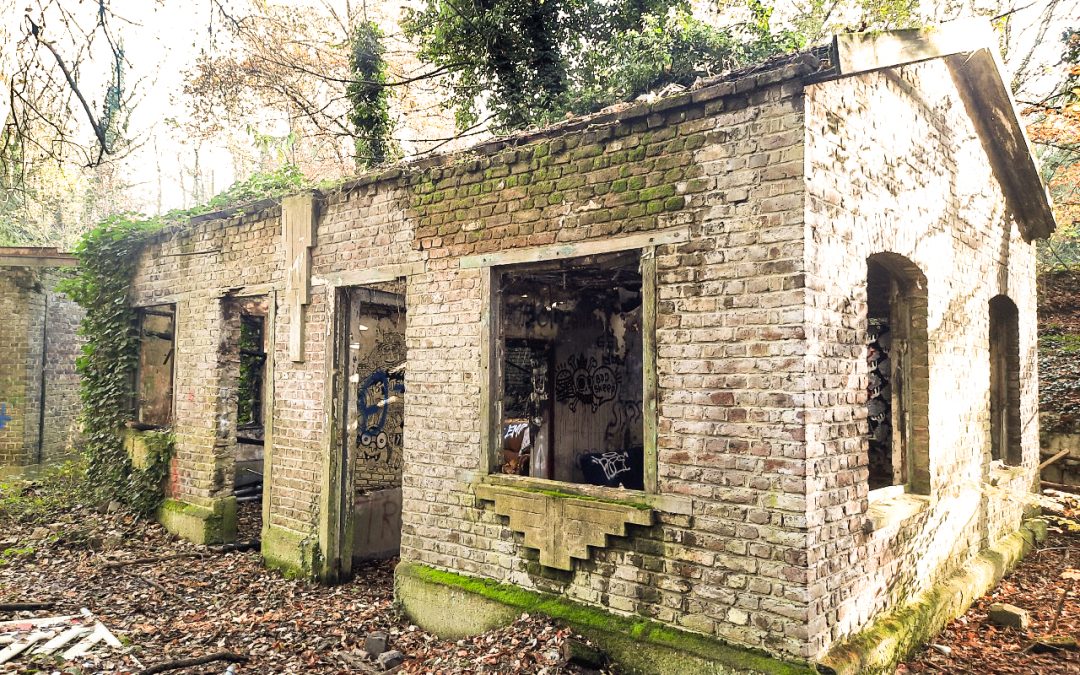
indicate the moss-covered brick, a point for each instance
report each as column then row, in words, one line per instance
column 635, row 182
column 658, row 192
column 654, row 207
column 674, row 203
column 570, row 182
column 619, row 185
column 587, row 151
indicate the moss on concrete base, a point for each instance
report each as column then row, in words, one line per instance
column 893, row 636
column 454, row 606
column 215, row 524
column 292, row 553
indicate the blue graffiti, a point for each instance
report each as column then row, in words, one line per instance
column 373, row 401
column 4, row 417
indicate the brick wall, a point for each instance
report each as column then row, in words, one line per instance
column 894, row 165
column 20, row 308
column 37, row 319
column 760, row 321
column 63, row 346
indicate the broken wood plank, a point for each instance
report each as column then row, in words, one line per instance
column 164, row 666
column 1053, row 459
column 62, row 639
column 83, row 646
column 16, row 648
column 27, row 624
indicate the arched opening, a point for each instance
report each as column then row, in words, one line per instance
column 898, row 384
column 1004, row 380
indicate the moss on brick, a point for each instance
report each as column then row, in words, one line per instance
column 639, row 645
column 215, row 524
column 896, row 634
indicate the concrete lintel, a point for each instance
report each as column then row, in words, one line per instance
column 579, row 248
column 371, row 275
column 34, row 256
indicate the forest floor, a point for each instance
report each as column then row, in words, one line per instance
column 54, row 551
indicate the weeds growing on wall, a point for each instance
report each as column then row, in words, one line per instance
column 108, row 258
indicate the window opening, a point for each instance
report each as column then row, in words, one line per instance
column 1005, row 443
column 154, row 375
column 897, row 383
column 571, row 369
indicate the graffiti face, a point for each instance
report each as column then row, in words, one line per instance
column 4, row 417
column 581, row 380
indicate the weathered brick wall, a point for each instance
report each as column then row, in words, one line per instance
column 728, row 335
column 63, row 346
column 29, row 301
column 894, row 164
column 20, row 307
column 191, row 268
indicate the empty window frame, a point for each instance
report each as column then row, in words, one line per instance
column 251, row 381
column 153, row 403
column 1004, row 381
column 571, row 369
column 898, row 379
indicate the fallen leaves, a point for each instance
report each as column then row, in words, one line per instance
column 199, row 605
column 1045, row 585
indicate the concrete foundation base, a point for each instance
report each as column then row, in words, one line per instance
column 454, row 606
column 893, row 636
column 214, row 524
column 289, row 552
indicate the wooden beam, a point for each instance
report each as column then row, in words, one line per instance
column 298, row 231
column 268, row 410
column 577, row 249
column 649, row 397
column 1053, row 459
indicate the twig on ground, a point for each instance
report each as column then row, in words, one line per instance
column 231, row 657
column 25, row 606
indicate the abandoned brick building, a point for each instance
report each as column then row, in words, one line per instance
column 39, row 388
column 750, row 365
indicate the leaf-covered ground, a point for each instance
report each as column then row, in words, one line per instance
column 53, row 551
column 225, row 602
column 1045, row 581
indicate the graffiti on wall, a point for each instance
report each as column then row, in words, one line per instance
column 379, row 373
column 580, row 380
column 4, row 417
column 379, row 430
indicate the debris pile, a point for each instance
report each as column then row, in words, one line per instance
column 69, row 637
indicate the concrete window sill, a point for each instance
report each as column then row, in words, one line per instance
column 675, row 504
column 891, row 506
column 1001, row 473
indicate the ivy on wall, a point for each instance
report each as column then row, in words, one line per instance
column 108, row 255
column 108, row 260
